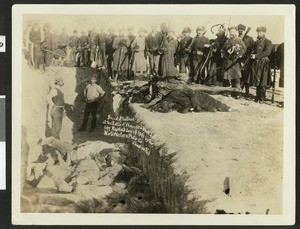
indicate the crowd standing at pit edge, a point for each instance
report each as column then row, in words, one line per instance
column 233, row 59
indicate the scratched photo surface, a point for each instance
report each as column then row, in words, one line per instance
column 152, row 114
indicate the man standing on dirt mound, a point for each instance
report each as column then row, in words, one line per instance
column 92, row 94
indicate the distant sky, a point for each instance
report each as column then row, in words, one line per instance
column 274, row 24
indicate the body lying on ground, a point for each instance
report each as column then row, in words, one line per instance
column 171, row 93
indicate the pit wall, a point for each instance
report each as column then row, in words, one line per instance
column 165, row 186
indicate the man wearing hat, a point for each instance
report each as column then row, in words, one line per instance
column 121, row 57
column 35, row 37
column 131, row 37
column 246, row 70
column 198, row 50
column 215, row 73
column 152, row 44
column 83, row 48
column 73, row 44
column 233, row 49
column 139, row 62
column 109, row 50
column 102, row 37
column 92, row 94
column 94, row 46
column 168, row 49
column 56, row 104
column 261, row 72
column 47, row 57
column 183, row 54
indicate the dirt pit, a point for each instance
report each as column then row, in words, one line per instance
column 231, row 161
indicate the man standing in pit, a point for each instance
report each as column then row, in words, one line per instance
column 246, row 70
column 92, row 94
column 56, row 104
column 261, row 71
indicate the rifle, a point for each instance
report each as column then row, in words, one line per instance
column 274, row 79
column 246, row 33
column 226, row 69
column 54, row 53
column 119, row 66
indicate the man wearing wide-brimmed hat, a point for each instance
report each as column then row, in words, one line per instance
column 56, row 105
column 92, row 94
column 198, row 50
column 261, row 72
column 183, row 54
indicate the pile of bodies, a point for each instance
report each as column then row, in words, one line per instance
column 166, row 95
column 90, row 177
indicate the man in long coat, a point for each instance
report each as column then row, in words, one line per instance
column 233, row 49
column 198, row 54
column 120, row 58
column 168, row 50
column 138, row 51
column 215, row 71
column 83, row 48
column 152, row 43
column 73, row 44
column 102, row 60
column 36, row 39
column 49, row 43
column 246, row 70
column 261, row 73
column 94, row 46
column 109, row 50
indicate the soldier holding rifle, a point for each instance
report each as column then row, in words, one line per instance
column 233, row 49
column 197, row 49
column 261, row 72
column 246, row 65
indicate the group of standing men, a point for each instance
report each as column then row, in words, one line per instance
column 232, row 59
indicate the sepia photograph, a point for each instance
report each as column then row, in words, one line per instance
column 160, row 112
